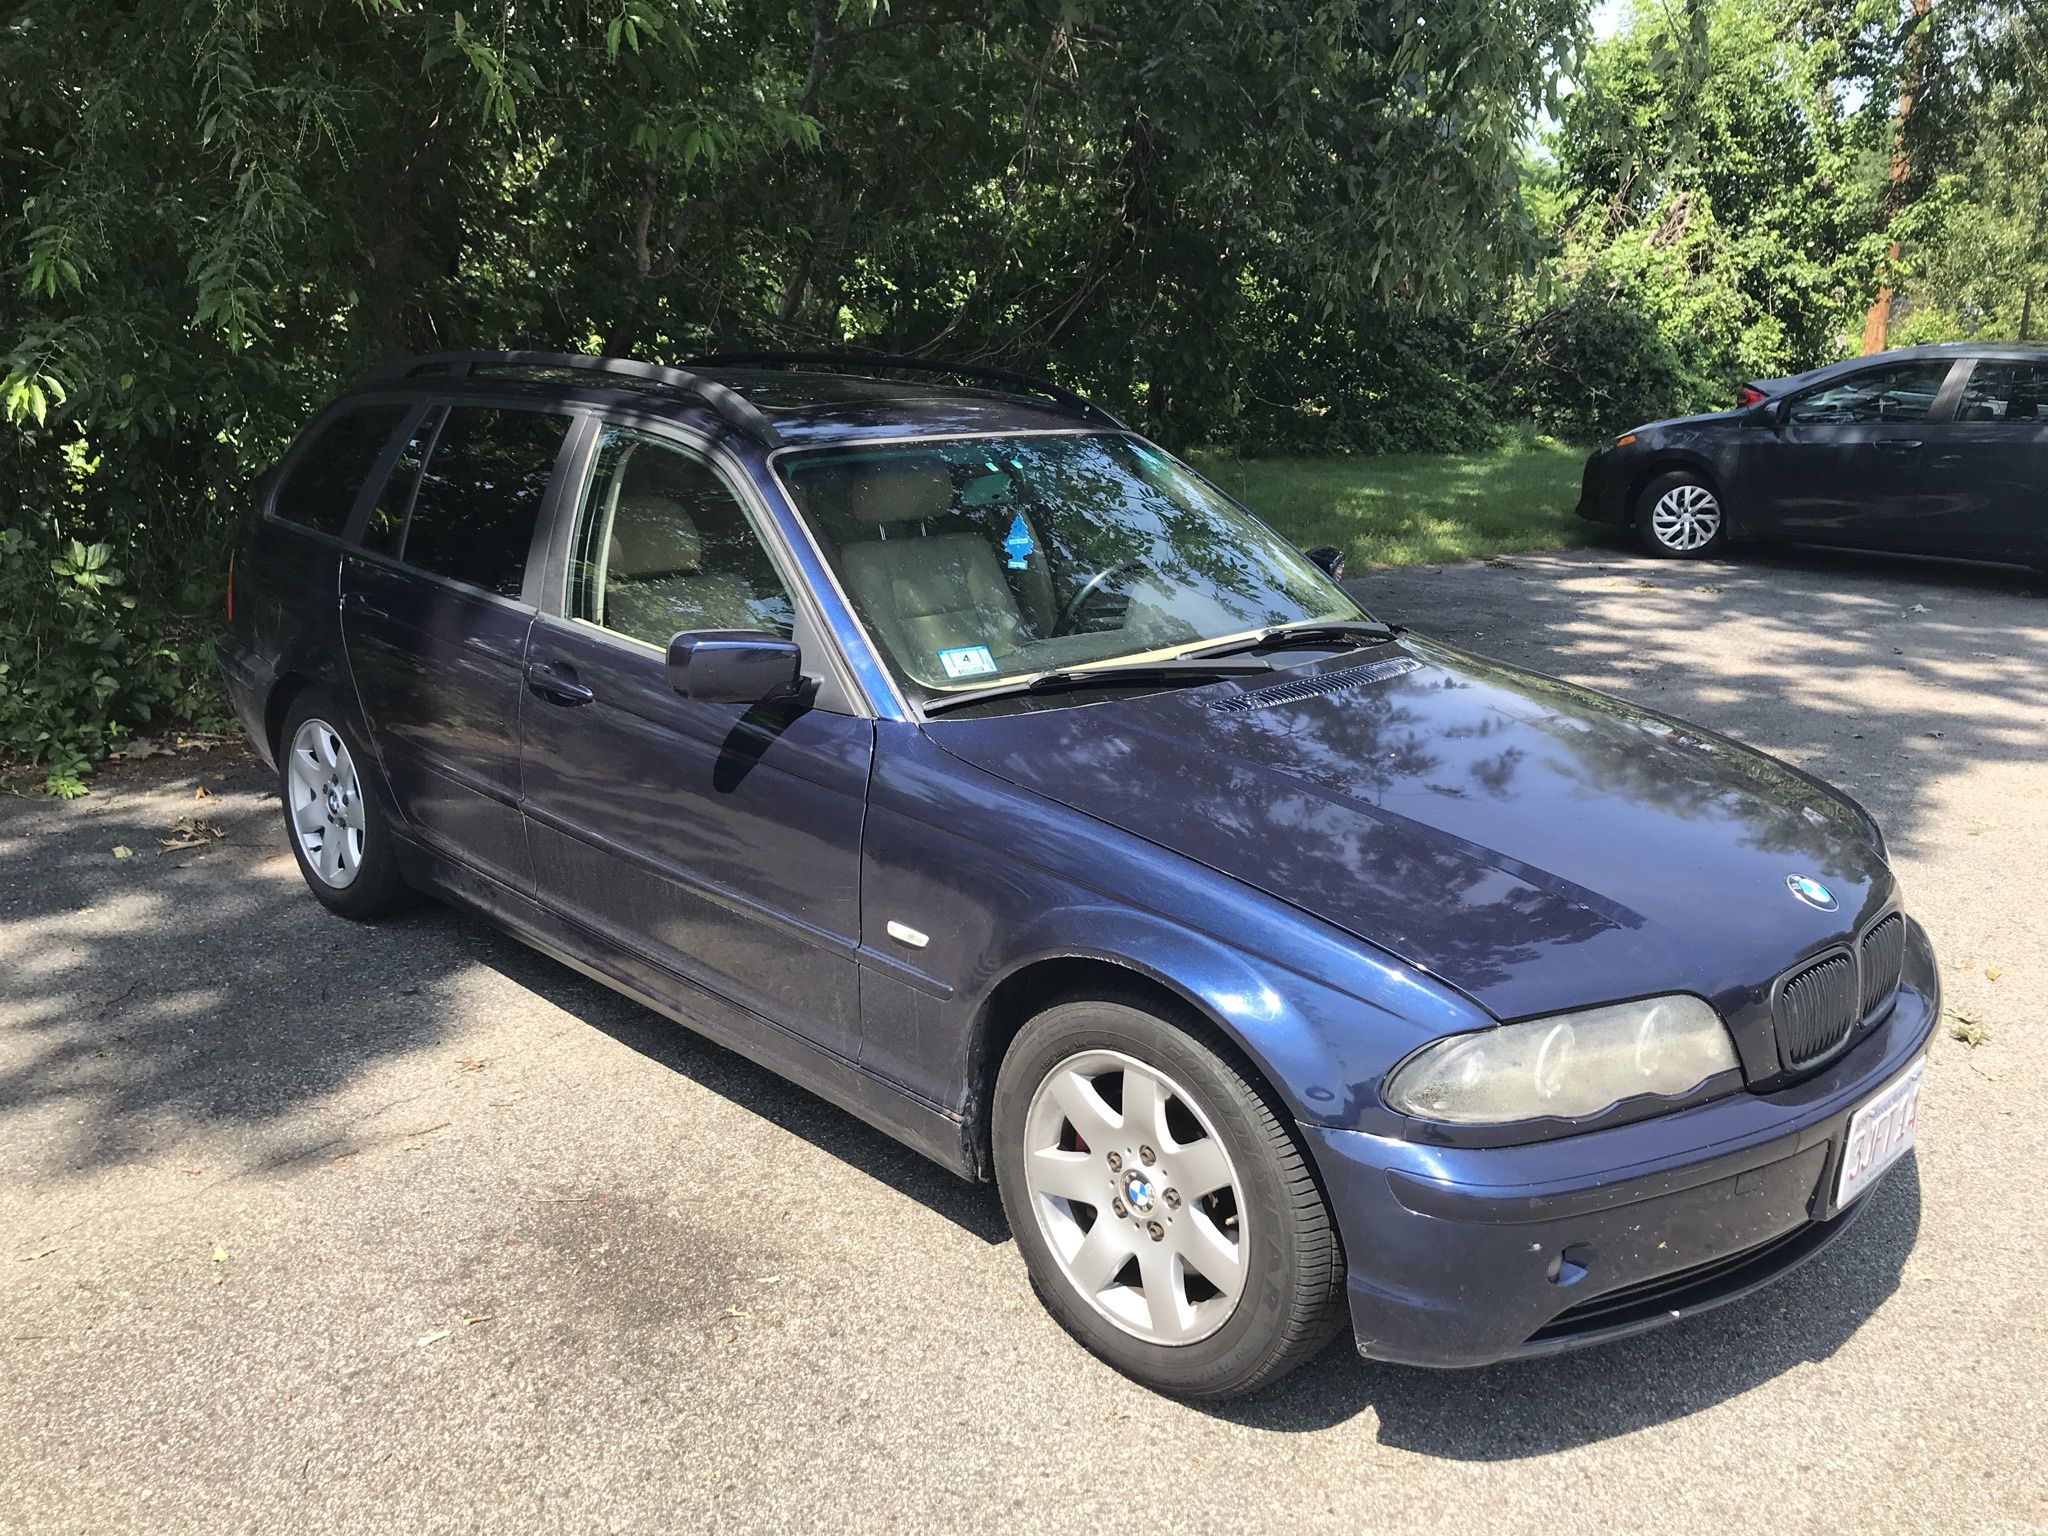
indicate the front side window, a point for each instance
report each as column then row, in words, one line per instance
column 663, row 545
column 480, row 494
column 2006, row 392
column 320, row 490
column 1902, row 392
column 980, row 559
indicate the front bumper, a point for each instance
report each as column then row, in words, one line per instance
column 1603, row 488
column 1465, row 1256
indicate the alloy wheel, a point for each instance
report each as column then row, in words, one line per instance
column 1686, row 518
column 326, row 803
column 1137, row 1197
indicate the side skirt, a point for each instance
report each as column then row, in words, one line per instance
column 917, row 1123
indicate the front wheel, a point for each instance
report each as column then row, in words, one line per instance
column 1680, row 516
column 337, row 828
column 1164, row 1210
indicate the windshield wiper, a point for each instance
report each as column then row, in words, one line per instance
column 1307, row 632
column 1173, row 669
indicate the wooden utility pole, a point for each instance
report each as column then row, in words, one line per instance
column 1877, row 319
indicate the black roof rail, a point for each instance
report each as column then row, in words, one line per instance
column 735, row 411
column 1078, row 403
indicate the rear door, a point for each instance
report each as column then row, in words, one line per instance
column 1986, row 488
column 436, row 605
column 719, row 841
column 1844, row 463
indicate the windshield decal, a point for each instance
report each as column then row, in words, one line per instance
column 967, row 661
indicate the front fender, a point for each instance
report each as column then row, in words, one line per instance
column 1020, row 882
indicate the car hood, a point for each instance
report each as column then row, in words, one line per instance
column 1536, row 845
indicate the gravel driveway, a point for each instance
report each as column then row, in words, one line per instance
column 306, row 1227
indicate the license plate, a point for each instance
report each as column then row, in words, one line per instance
column 1880, row 1133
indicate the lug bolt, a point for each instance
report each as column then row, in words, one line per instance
column 1156, row 1230
column 1173, row 1199
column 1118, row 1206
column 1147, row 1156
column 1116, row 1161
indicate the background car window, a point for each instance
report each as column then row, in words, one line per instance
column 2014, row 392
column 320, row 491
column 479, row 494
column 1903, row 392
column 385, row 530
column 663, row 545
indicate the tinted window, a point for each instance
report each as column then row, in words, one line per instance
column 1902, row 392
column 473, row 514
column 385, row 530
column 2010, row 392
column 320, row 491
column 663, row 545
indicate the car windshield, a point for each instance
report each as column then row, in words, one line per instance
column 975, row 560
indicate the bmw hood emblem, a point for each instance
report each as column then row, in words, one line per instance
column 1812, row 892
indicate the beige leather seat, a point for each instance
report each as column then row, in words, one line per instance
column 927, row 590
column 655, row 583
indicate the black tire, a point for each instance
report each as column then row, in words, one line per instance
column 1291, row 1299
column 375, row 888
column 1679, row 536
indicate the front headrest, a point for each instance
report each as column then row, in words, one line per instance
column 653, row 536
column 909, row 494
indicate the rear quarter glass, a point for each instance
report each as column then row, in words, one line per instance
column 320, row 488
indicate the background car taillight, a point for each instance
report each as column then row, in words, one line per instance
column 1749, row 394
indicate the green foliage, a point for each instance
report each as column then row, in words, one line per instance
column 1589, row 366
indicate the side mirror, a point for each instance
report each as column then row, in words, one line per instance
column 733, row 666
column 1328, row 559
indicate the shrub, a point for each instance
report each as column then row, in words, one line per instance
column 1586, row 367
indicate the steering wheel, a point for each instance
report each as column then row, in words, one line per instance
column 1090, row 588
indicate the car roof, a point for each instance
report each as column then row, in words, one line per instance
column 1994, row 351
column 776, row 406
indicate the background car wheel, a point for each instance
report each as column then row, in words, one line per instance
column 1680, row 515
column 1165, row 1212
column 332, row 818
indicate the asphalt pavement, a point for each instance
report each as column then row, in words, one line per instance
column 306, row 1226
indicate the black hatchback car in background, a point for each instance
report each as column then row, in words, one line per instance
column 1939, row 450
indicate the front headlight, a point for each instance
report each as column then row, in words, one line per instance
column 1569, row 1066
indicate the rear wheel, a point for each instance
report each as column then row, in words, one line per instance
column 1166, row 1215
column 338, row 830
column 1680, row 515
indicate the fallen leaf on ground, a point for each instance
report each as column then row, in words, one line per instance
column 736, row 1312
column 1993, row 972
column 220, row 1254
column 1706, row 586
column 201, row 792
column 435, row 1337
column 1917, row 608
column 473, row 1063
column 481, row 1317
column 1934, row 735
column 123, row 851
column 190, row 832
column 1967, row 1030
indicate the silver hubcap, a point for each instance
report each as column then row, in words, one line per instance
column 1686, row 517
column 324, row 799
column 1136, row 1196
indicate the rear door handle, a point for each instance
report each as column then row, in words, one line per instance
column 1896, row 445
column 557, row 684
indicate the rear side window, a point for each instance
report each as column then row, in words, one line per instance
column 2006, row 392
column 320, row 490
column 482, row 487
column 1902, row 392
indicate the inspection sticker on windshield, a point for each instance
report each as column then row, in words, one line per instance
column 1880, row 1133
column 967, row 661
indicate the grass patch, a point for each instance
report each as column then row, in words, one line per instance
column 1418, row 508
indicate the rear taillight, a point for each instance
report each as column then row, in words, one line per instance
column 231, row 586
column 1749, row 394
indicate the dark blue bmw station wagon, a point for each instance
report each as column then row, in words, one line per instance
column 970, row 760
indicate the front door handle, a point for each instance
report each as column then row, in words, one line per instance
column 557, row 684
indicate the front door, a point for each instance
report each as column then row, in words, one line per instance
column 719, row 841
column 1844, row 464
column 435, row 616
